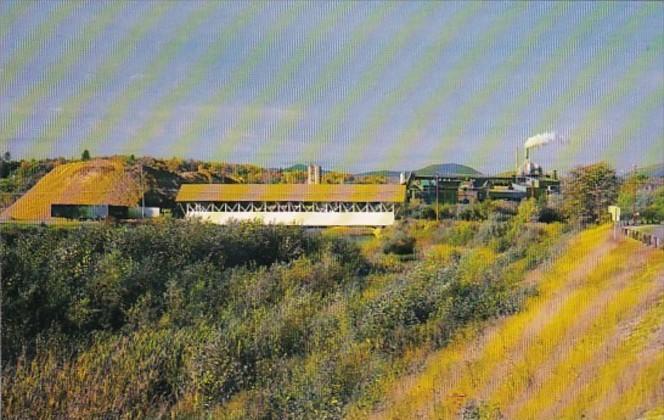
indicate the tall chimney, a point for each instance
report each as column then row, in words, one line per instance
column 314, row 173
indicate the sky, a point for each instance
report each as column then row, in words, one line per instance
column 353, row 86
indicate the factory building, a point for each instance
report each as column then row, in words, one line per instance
column 294, row 204
column 528, row 181
column 470, row 189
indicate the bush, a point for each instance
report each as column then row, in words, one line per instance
column 243, row 321
column 399, row 243
column 427, row 212
column 456, row 233
column 475, row 212
column 550, row 215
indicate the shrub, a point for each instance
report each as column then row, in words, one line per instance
column 456, row 233
column 216, row 373
column 550, row 215
column 475, row 265
column 427, row 212
column 441, row 255
column 399, row 243
column 241, row 321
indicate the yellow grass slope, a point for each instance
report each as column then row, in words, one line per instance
column 91, row 182
column 589, row 345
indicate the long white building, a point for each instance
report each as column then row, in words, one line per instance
column 294, row 204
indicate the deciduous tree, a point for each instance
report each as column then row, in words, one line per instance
column 588, row 191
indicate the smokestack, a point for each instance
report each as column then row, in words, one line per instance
column 314, row 173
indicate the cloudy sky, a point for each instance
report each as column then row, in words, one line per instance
column 351, row 85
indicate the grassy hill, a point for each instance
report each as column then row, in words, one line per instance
column 385, row 173
column 656, row 170
column 441, row 169
column 298, row 167
column 589, row 345
column 91, row 182
column 447, row 169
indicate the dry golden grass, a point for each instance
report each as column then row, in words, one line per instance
column 602, row 387
column 90, row 182
column 524, row 365
column 450, row 374
column 580, row 345
column 584, row 305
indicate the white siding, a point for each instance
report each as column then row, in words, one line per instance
column 300, row 218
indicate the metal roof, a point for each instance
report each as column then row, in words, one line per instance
column 347, row 193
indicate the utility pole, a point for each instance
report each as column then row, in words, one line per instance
column 142, row 195
column 437, row 198
column 634, row 187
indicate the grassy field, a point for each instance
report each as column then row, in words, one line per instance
column 90, row 182
column 589, row 344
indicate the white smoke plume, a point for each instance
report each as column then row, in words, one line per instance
column 540, row 140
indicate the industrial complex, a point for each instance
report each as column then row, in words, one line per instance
column 316, row 204
column 102, row 190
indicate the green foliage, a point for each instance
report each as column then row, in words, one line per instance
column 550, row 215
column 428, row 212
column 637, row 196
column 475, row 410
column 457, row 233
column 241, row 321
column 85, row 155
column 654, row 212
column 399, row 243
column 588, row 191
column 475, row 212
column 629, row 191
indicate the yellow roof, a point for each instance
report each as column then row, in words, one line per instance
column 347, row 193
column 91, row 182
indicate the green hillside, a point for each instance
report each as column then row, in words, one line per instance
column 296, row 168
column 447, row 169
column 656, row 170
